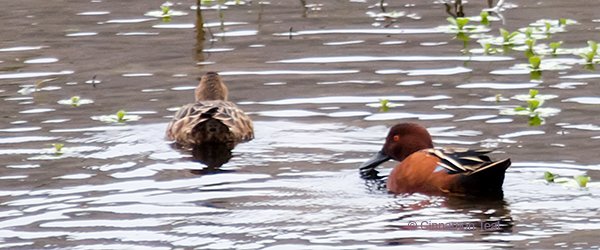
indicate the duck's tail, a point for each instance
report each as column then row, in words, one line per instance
column 211, row 130
column 486, row 180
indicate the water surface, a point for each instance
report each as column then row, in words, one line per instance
column 312, row 78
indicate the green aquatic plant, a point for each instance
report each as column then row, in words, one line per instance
column 554, row 46
column 458, row 22
column 165, row 8
column 528, row 33
column 593, row 50
column 58, row 148
column 534, row 67
column 498, row 97
column 75, row 101
column 531, row 110
column 534, row 63
column 385, row 105
column 532, row 105
column 530, row 42
column 582, row 180
column 549, row 176
column 533, row 93
column 463, row 37
column 484, row 18
column 488, row 49
column 535, row 120
column 507, row 37
column 562, row 22
column 166, row 12
column 121, row 116
column 548, row 26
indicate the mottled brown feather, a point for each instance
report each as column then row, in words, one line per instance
column 211, row 119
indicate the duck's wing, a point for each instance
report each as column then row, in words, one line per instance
column 236, row 120
column 466, row 161
column 191, row 115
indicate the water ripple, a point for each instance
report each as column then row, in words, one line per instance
column 287, row 72
column 348, row 59
column 351, row 99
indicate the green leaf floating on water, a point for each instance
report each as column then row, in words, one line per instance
column 120, row 117
column 484, row 18
column 554, row 46
column 165, row 9
column 535, row 62
column 533, row 93
column 582, row 180
column 562, row 21
column 461, row 22
column 533, row 104
column 75, row 101
column 58, row 148
column 507, row 37
column 549, row 177
column 385, row 105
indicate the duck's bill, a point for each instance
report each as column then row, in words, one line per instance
column 375, row 161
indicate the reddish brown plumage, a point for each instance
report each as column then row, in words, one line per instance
column 426, row 170
column 416, row 174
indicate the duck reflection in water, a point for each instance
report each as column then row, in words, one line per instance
column 458, row 214
column 213, row 156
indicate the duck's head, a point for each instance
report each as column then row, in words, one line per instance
column 402, row 140
column 211, row 87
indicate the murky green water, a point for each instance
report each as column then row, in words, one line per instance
column 312, row 78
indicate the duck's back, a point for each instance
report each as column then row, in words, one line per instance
column 451, row 171
column 214, row 121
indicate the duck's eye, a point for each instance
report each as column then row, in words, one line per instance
column 396, row 138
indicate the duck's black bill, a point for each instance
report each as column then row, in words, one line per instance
column 367, row 169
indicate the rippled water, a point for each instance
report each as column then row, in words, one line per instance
column 312, row 78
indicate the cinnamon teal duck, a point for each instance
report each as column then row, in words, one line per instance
column 424, row 169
